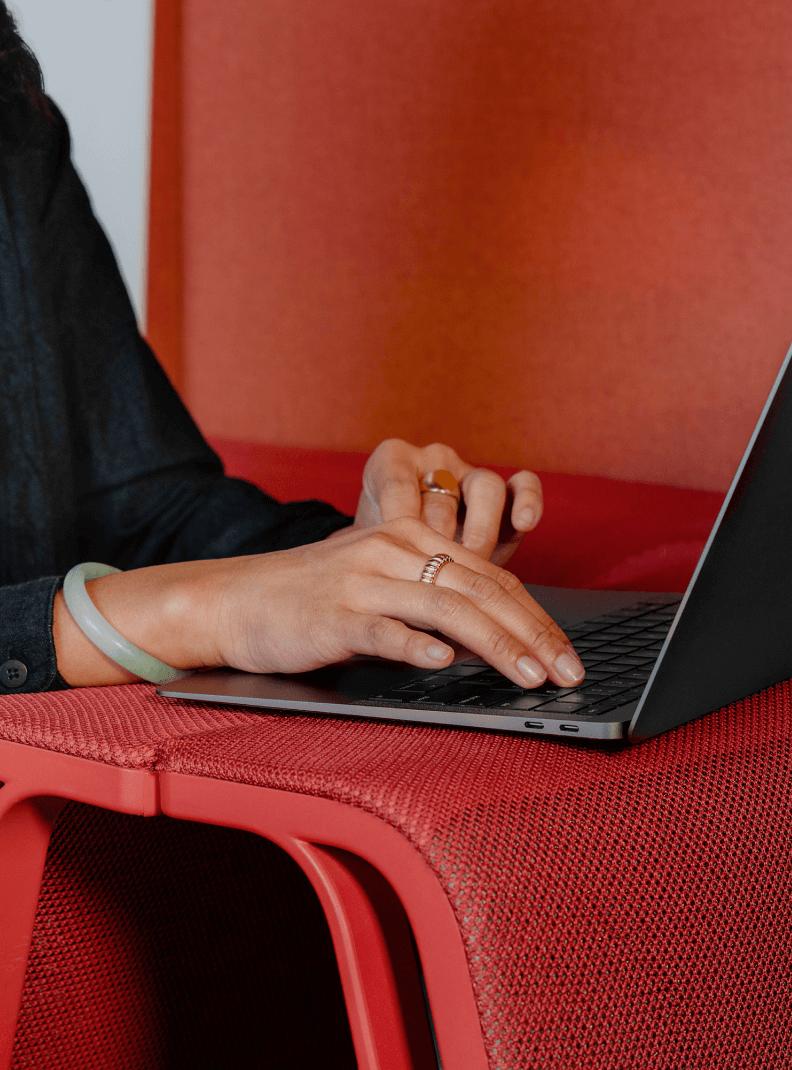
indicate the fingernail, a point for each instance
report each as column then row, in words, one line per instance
column 532, row 671
column 569, row 667
column 438, row 652
column 526, row 519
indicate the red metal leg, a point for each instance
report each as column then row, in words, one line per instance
column 36, row 786
column 25, row 832
column 378, row 968
column 360, row 919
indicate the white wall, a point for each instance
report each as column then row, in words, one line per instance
column 96, row 58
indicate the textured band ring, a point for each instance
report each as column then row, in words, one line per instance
column 440, row 482
column 433, row 566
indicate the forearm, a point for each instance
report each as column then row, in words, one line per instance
column 193, row 513
column 299, row 609
column 166, row 610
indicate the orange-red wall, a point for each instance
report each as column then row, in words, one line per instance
column 551, row 232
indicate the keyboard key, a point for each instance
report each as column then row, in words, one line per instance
column 605, row 690
column 592, row 659
column 459, row 693
column 528, row 701
column 464, row 668
column 630, row 678
column 599, row 708
column 428, row 683
column 563, row 707
column 496, row 697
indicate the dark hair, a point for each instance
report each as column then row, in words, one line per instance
column 20, row 74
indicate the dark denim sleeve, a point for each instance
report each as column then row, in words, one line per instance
column 26, row 637
column 102, row 461
column 148, row 488
column 194, row 512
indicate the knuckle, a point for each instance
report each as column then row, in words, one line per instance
column 377, row 543
column 502, row 644
column 444, row 602
column 389, row 446
column 508, row 581
column 413, row 645
column 542, row 635
column 441, row 453
column 377, row 632
column 393, row 483
column 477, row 537
column 408, row 527
column 481, row 588
column 526, row 481
column 485, row 476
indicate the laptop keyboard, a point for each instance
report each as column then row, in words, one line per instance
column 617, row 649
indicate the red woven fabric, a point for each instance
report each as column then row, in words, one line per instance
column 165, row 945
column 624, row 909
column 595, row 532
column 124, row 726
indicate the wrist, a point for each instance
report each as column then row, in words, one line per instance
column 164, row 610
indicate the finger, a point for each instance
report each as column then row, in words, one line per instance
column 418, row 536
column 488, row 610
column 439, row 512
column 385, row 637
column 445, row 609
column 528, row 504
column 499, row 598
column 391, row 482
column 484, row 493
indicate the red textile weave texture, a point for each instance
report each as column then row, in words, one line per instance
column 124, row 726
column 620, row 909
column 168, row 945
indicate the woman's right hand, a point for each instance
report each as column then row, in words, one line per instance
column 358, row 593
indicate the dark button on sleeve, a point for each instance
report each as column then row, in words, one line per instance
column 27, row 650
column 13, row 673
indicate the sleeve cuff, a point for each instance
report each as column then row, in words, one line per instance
column 27, row 649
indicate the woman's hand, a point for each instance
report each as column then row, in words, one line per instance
column 313, row 605
column 493, row 514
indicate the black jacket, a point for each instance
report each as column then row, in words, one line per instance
column 100, row 459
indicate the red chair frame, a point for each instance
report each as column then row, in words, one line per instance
column 37, row 784
column 375, row 889
column 329, row 840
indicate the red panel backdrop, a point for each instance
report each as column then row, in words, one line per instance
column 553, row 233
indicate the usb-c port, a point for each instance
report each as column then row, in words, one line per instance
column 534, row 724
column 569, row 727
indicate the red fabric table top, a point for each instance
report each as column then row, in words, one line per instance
column 123, row 726
column 619, row 908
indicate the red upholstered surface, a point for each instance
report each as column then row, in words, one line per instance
column 600, row 895
column 123, row 726
column 623, row 909
column 595, row 532
column 167, row 945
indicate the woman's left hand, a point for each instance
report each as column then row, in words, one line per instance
column 492, row 515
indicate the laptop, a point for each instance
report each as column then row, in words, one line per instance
column 653, row 661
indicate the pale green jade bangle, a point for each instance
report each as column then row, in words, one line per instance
column 102, row 633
